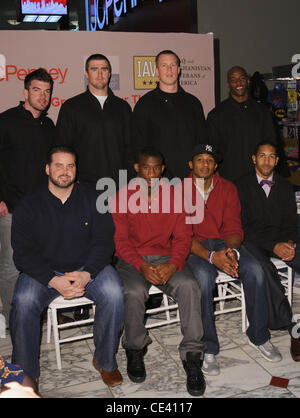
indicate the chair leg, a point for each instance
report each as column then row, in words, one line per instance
column 244, row 314
column 56, row 337
column 49, row 325
column 166, row 304
column 290, row 284
column 222, row 291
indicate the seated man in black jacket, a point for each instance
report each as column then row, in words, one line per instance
column 269, row 219
column 63, row 246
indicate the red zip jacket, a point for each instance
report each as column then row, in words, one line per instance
column 139, row 234
column 222, row 212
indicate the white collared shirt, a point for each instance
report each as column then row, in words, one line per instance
column 265, row 187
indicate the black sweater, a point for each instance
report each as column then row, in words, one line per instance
column 99, row 136
column 236, row 128
column 173, row 123
column 49, row 236
column 268, row 220
column 24, row 143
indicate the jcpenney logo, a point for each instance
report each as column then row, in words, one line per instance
column 9, row 72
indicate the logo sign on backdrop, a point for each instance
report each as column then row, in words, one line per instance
column 144, row 73
column 132, row 56
column 101, row 13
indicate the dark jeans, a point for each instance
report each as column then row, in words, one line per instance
column 252, row 277
column 181, row 286
column 31, row 298
column 284, row 310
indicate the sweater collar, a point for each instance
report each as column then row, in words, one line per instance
column 166, row 94
column 216, row 178
column 57, row 201
column 27, row 114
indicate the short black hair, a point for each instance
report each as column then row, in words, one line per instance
column 236, row 68
column 266, row 142
column 97, row 57
column 41, row 75
column 167, row 52
column 150, row 151
column 60, row 148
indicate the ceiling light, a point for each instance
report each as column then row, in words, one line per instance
column 13, row 22
column 42, row 18
column 29, row 18
column 53, row 19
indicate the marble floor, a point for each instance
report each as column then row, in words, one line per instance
column 244, row 373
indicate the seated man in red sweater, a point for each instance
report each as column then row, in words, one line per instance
column 216, row 246
column 152, row 247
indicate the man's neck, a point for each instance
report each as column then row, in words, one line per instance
column 98, row 92
column 35, row 113
column 263, row 176
column 240, row 99
column 168, row 88
column 207, row 182
column 61, row 193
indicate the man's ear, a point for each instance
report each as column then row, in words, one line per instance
column 136, row 166
column 191, row 165
column 47, row 169
column 216, row 166
column 276, row 161
column 254, row 159
column 25, row 94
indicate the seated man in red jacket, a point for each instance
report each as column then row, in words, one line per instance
column 152, row 247
column 216, row 246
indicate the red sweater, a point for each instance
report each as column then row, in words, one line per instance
column 222, row 212
column 139, row 234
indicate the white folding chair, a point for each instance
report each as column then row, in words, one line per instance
column 167, row 306
column 52, row 323
column 230, row 289
column 286, row 275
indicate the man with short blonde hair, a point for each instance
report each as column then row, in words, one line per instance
column 169, row 118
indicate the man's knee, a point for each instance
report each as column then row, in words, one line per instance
column 108, row 285
column 135, row 293
column 205, row 274
column 26, row 294
column 251, row 270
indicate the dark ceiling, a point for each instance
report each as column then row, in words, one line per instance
column 8, row 17
column 168, row 16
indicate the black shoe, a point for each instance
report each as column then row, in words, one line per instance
column 135, row 365
column 81, row 313
column 195, row 382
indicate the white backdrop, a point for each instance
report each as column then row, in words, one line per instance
column 132, row 55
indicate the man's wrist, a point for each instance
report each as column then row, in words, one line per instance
column 210, row 257
column 237, row 253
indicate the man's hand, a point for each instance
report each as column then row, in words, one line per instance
column 226, row 261
column 150, row 274
column 71, row 285
column 284, row 250
column 3, row 209
column 165, row 271
column 80, row 278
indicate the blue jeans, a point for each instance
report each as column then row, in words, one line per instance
column 251, row 275
column 31, row 298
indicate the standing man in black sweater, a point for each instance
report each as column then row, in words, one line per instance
column 237, row 125
column 63, row 246
column 96, row 124
column 269, row 220
column 26, row 134
column 169, row 119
